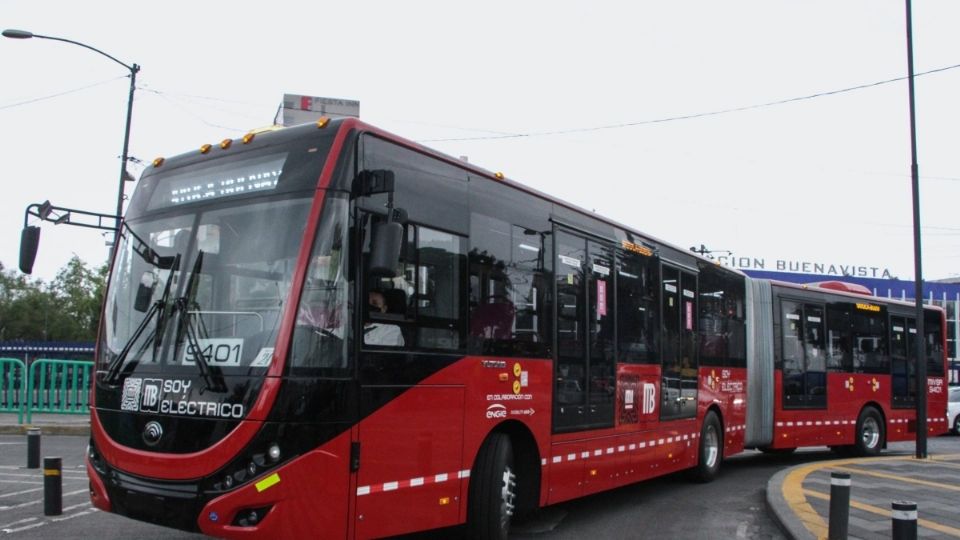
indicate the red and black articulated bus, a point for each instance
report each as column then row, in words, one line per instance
column 329, row 331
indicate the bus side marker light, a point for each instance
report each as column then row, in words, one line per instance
column 157, row 162
column 248, row 137
column 225, row 143
column 268, row 482
column 444, row 501
column 498, row 175
column 205, row 148
column 593, row 472
column 504, row 377
column 322, row 122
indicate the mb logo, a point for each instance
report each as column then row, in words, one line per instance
column 649, row 405
column 151, row 395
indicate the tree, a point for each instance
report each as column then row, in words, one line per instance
column 67, row 309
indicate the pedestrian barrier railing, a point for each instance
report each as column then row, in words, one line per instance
column 58, row 386
column 13, row 387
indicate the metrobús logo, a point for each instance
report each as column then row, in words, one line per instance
column 496, row 411
column 170, row 397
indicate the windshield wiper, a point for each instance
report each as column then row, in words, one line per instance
column 158, row 308
column 212, row 377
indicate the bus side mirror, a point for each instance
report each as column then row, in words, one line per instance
column 29, row 243
column 385, row 249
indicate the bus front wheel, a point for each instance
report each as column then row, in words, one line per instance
column 493, row 489
column 710, row 448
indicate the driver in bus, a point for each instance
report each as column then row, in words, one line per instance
column 375, row 333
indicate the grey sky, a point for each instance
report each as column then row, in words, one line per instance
column 824, row 179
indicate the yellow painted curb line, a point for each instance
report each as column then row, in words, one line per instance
column 796, row 496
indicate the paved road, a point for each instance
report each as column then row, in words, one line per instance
column 733, row 506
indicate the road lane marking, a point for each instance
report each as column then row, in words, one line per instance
column 8, row 525
column 20, row 492
column 898, row 478
column 47, row 521
column 926, row 523
column 38, row 501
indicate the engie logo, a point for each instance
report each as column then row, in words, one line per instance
column 151, row 395
column 496, row 411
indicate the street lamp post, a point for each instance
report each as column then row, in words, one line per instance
column 124, row 175
column 921, row 447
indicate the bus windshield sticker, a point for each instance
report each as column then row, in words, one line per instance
column 263, row 357
column 216, row 351
column 570, row 261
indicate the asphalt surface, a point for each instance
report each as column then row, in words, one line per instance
column 795, row 503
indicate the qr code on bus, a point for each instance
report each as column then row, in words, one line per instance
column 131, row 394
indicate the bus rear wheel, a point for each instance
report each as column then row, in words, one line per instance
column 870, row 433
column 711, row 450
column 493, row 490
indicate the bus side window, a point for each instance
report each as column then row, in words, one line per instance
column 508, row 284
column 423, row 300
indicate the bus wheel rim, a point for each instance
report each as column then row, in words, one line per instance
column 507, row 497
column 711, row 446
column 871, row 432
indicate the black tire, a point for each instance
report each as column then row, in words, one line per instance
column 956, row 425
column 710, row 450
column 493, row 490
column 870, row 433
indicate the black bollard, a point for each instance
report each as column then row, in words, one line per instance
column 839, row 505
column 33, row 448
column 904, row 520
column 52, row 486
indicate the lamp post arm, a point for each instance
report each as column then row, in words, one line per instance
column 132, row 69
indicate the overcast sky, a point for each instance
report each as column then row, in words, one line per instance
column 825, row 179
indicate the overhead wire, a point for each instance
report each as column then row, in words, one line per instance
column 691, row 116
column 58, row 94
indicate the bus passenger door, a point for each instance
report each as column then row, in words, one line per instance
column 585, row 386
column 678, row 385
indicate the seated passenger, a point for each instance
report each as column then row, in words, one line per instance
column 375, row 333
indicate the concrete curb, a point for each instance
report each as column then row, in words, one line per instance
column 781, row 511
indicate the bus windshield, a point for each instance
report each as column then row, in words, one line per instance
column 202, row 288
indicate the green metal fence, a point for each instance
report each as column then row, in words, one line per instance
column 13, row 387
column 58, row 386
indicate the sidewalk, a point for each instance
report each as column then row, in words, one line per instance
column 799, row 497
column 49, row 424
